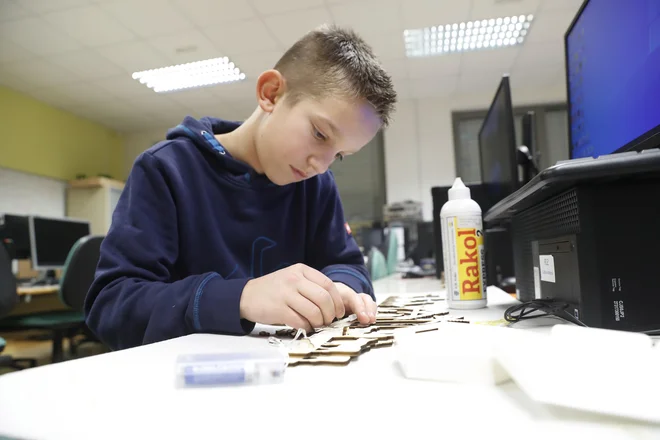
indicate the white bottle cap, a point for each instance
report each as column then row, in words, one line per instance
column 458, row 190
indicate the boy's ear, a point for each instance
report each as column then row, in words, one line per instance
column 271, row 86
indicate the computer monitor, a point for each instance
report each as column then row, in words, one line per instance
column 15, row 235
column 497, row 146
column 52, row 239
column 612, row 74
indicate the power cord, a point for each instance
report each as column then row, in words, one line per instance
column 547, row 307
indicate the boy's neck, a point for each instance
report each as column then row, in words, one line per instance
column 240, row 144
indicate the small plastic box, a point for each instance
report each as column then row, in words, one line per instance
column 231, row 368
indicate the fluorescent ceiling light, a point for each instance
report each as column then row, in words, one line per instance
column 467, row 36
column 185, row 76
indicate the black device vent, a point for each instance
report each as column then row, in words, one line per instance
column 557, row 216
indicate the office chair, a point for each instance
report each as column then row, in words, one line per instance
column 8, row 300
column 377, row 264
column 76, row 278
column 392, row 252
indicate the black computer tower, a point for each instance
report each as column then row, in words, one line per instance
column 594, row 246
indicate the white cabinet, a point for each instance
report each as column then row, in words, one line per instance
column 93, row 199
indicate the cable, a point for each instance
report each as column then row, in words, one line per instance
column 549, row 307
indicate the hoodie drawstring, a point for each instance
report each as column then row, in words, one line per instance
column 213, row 141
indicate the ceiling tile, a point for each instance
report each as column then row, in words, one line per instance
column 422, row 13
column 387, row 45
column 369, row 17
column 255, row 64
column 186, row 46
column 40, row 73
column 154, row 103
column 10, row 51
column 484, row 9
column 540, row 55
column 499, row 58
column 483, row 81
column 536, row 77
column 402, row 89
column 433, row 87
column 193, row 98
column 12, row 10
column 43, row 6
column 290, row 27
column 242, row 91
column 212, row 12
column 72, row 95
column 87, row 64
column 30, row 33
column 91, row 25
column 134, row 56
column 549, row 26
column 147, row 18
column 123, row 86
column 572, row 5
column 449, row 64
column 242, row 37
column 270, row 7
column 395, row 67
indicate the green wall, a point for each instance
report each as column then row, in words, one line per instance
column 39, row 139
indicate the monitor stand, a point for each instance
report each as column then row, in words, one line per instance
column 526, row 161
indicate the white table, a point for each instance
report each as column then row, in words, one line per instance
column 131, row 394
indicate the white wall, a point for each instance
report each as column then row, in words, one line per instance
column 29, row 194
column 419, row 143
column 136, row 143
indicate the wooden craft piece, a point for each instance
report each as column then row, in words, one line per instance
column 320, row 360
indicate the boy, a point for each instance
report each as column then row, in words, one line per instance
column 224, row 225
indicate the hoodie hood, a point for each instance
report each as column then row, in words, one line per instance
column 202, row 134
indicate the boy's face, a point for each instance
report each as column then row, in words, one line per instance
column 296, row 142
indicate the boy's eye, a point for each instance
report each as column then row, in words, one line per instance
column 318, row 135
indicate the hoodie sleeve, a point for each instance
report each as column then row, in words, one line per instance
column 136, row 297
column 333, row 249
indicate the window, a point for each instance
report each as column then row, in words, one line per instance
column 551, row 137
column 361, row 183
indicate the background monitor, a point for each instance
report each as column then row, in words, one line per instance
column 497, row 146
column 613, row 77
column 53, row 238
column 15, row 235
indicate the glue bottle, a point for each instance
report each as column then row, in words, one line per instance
column 463, row 249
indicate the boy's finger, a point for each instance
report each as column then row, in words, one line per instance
column 370, row 306
column 360, row 309
column 296, row 320
column 326, row 283
column 318, row 297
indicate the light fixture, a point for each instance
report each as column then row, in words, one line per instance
column 186, row 76
column 467, row 36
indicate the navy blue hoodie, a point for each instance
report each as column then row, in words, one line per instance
column 193, row 225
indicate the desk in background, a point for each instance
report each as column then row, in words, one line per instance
column 132, row 393
column 37, row 290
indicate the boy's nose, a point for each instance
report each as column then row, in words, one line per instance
column 319, row 165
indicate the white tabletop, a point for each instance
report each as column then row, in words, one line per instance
column 132, row 394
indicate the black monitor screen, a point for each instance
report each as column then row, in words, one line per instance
column 613, row 77
column 52, row 239
column 497, row 145
column 15, row 235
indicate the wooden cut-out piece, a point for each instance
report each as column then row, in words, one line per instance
column 321, row 360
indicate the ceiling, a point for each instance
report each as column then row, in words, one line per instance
column 79, row 55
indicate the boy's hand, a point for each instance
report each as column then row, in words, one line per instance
column 298, row 296
column 359, row 303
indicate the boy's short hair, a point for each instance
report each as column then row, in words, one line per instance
column 330, row 60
